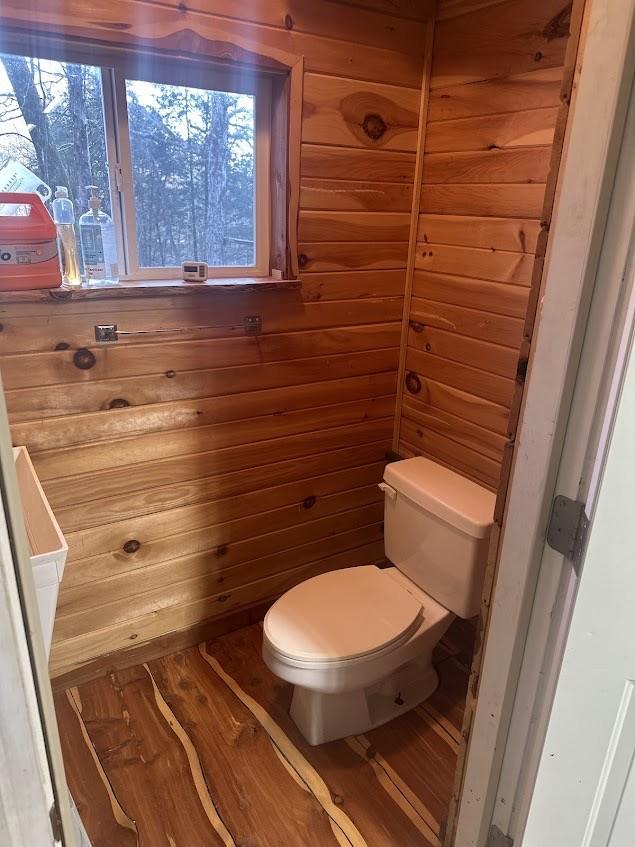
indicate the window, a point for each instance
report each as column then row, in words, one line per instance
column 180, row 156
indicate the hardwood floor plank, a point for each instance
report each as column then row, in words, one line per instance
column 260, row 802
column 200, row 749
column 350, row 781
column 404, row 744
column 295, row 758
column 396, row 788
column 145, row 762
column 96, row 803
column 449, row 698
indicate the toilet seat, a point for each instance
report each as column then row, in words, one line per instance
column 342, row 616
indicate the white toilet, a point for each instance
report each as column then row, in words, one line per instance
column 357, row 643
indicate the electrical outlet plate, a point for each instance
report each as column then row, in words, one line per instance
column 106, row 332
column 253, row 324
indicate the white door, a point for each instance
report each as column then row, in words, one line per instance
column 585, row 789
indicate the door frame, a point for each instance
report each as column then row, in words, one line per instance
column 533, row 584
column 595, row 401
column 34, row 797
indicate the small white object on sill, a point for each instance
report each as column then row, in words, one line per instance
column 194, row 271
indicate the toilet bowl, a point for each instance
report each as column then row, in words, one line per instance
column 357, row 643
column 355, row 675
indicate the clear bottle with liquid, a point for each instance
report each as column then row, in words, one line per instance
column 64, row 218
column 97, row 237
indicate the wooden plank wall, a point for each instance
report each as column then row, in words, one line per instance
column 494, row 98
column 201, row 474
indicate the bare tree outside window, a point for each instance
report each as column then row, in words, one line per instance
column 51, row 120
column 192, row 156
column 192, row 163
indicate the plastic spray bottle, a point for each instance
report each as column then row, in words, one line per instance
column 64, row 217
column 97, row 237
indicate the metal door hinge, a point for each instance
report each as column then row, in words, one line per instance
column 496, row 838
column 56, row 823
column 567, row 528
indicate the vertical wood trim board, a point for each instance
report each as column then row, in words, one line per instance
column 207, row 473
column 491, row 129
column 414, row 219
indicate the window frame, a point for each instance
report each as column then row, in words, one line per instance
column 119, row 160
column 185, row 49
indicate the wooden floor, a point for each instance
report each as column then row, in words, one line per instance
column 197, row 749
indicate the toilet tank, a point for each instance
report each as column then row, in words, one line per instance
column 436, row 529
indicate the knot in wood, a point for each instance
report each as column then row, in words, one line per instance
column 131, row 546
column 62, row 345
column 62, row 295
column 559, row 25
column 288, row 22
column 374, row 126
column 413, row 383
column 221, row 550
column 303, row 260
column 170, row 374
column 309, row 502
column 118, row 403
column 84, row 359
column 521, row 371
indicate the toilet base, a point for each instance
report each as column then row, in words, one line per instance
column 324, row 717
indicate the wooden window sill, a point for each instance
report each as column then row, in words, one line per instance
column 150, row 288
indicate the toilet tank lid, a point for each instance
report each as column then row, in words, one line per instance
column 444, row 493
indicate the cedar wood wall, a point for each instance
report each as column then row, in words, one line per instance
column 245, row 464
column 494, row 97
column 242, row 464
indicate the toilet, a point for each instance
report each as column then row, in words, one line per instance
column 357, row 643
